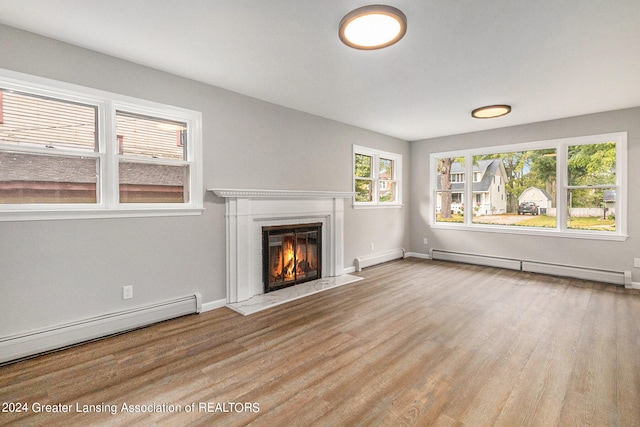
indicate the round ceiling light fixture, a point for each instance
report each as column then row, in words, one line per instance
column 491, row 111
column 372, row 27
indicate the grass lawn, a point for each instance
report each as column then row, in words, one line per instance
column 586, row 223
column 454, row 218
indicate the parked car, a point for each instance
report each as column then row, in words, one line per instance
column 528, row 207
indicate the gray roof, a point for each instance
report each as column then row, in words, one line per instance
column 489, row 169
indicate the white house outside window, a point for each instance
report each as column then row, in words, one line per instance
column 68, row 151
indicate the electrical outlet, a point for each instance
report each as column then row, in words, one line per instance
column 372, row 246
column 636, row 262
column 127, row 292
column 426, row 242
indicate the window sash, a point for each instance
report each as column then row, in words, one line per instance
column 380, row 186
column 562, row 188
column 106, row 153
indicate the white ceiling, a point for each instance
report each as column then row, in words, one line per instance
column 547, row 58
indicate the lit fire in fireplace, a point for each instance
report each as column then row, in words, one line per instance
column 292, row 255
column 287, row 263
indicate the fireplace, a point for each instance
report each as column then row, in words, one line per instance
column 291, row 254
column 247, row 212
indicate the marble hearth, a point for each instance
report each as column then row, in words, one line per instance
column 247, row 211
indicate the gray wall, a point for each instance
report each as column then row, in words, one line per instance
column 591, row 253
column 54, row 272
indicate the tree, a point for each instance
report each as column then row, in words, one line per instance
column 533, row 168
column 363, row 170
column 444, row 167
column 591, row 164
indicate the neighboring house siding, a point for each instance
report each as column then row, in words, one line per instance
column 64, row 131
column 489, row 194
column 34, row 121
column 29, row 120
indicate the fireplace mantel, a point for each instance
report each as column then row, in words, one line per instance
column 247, row 211
column 279, row 194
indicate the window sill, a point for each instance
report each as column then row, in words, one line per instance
column 385, row 206
column 47, row 215
column 532, row 231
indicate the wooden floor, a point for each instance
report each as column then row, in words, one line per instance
column 417, row 342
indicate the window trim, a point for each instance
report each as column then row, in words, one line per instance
column 397, row 177
column 561, row 146
column 108, row 204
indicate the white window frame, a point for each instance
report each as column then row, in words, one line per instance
column 108, row 204
column 562, row 187
column 376, row 155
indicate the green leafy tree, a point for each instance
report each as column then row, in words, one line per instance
column 591, row 164
column 363, row 172
column 524, row 169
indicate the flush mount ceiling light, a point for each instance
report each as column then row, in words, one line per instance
column 491, row 111
column 372, row 27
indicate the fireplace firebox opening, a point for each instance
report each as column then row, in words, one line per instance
column 291, row 255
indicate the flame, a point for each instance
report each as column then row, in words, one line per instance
column 290, row 261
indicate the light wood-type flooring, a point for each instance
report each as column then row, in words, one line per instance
column 418, row 342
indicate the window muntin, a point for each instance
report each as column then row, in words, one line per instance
column 588, row 169
column 376, row 179
column 67, row 136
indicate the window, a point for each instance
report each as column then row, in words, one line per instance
column 152, row 167
column 377, row 177
column 450, row 193
column 570, row 187
column 48, row 152
column 591, row 193
column 528, row 176
column 69, row 152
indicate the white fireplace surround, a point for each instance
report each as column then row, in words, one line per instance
column 247, row 211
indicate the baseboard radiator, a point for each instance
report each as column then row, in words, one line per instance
column 378, row 258
column 577, row 272
column 30, row 343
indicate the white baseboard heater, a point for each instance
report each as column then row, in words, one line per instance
column 586, row 273
column 378, row 258
column 30, row 343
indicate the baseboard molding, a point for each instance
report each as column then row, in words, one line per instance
column 378, row 258
column 212, row 305
column 349, row 270
column 27, row 344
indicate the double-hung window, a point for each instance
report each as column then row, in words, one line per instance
column 377, row 177
column 573, row 187
column 73, row 152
